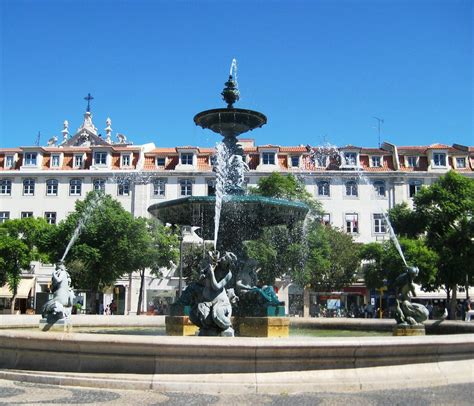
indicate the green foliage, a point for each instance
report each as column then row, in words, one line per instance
column 405, row 221
column 22, row 241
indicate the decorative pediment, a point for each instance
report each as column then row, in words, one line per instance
column 84, row 138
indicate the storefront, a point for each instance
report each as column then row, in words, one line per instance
column 24, row 299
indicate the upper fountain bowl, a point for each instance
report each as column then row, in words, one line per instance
column 230, row 121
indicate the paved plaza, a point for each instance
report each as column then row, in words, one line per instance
column 19, row 393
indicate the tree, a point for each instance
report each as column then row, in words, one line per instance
column 101, row 253
column 151, row 245
column 447, row 210
column 21, row 241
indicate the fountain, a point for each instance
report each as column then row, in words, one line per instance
column 230, row 218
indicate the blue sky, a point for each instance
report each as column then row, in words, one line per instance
column 319, row 70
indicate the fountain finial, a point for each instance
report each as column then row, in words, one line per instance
column 230, row 94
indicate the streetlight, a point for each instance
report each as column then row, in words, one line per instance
column 180, row 282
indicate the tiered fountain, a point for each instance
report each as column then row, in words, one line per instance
column 230, row 218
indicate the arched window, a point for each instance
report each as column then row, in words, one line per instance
column 379, row 188
column 323, row 188
column 28, row 187
column 52, row 187
column 351, row 188
column 5, row 187
column 99, row 185
column 75, row 186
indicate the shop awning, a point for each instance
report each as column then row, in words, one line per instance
column 438, row 294
column 23, row 292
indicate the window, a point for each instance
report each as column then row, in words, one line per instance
column 99, row 185
column 350, row 158
column 211, row 187
column 100, row 158
column 323, row 188
column 5, row 187
column 4, row 216
column 159, row 188
column 414, row 187
column 351, row 188
column 411, row 161
column 51, row 187
column 78, row 161
column 28, row 187
column 186, row 186
column 380, row 225
column 376, row 161
column 75, row 186
column 126, row 160
column 160, row 161
column 379, row 188
column 352, row 223
column 50, row 217
column 460, row 162
column 9, row 161
column 55, row 159
column 124, row 188
column 30, row 159
column 26, row 214
column 268, row 158
column 326, row 219
column 186, row 159
column 295, row 161
column 439, row 159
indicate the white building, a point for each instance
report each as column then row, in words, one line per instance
column 355, row 187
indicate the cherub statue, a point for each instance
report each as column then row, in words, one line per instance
column 52, row 141
column 408, row 313
column 60, row 306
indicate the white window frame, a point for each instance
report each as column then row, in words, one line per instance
column 157, row 164
column 52, row 162
column 30, row 159
column 379, row 224
column 409, row 161
column 75, row 187
column 184, row 185
column 123, row 189
column 159, row 188
column 350, row 159
column 435, row 160
column 76, row 158
column 126, row 160
column 101, row 155
column 9, row 161
column 5, row 187
column 374, row 164
column 52, row 186
column 26, row 214
column 50, row 217
column 353, row 187
column 268, row 156
column 326, row 219
column 320, row 186
column 98, row 184
column 184, row 158
column 4, row 216
column 296, row 157
column 29, row 186
column 464, row 160
column 351, row 223
column 417, row 184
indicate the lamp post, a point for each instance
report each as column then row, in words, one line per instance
column 180, row 282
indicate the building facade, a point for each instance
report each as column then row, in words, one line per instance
column 355, row 185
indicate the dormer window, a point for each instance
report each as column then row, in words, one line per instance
column 30, row 159
column 126, row 160
column 100, row 158
column 268, row 158
column 460, row 162
column 295, row 161
column 186, row 159
column 350, row 159
column 411, row 161
column 161, row 161
column 78, row 161
column 376, row 161
column 439, row 159
column 55, row 161
column 9, row 161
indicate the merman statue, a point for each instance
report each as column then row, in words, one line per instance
column 60, row 306
column 407, row 313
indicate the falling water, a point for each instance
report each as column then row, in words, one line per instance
column 222, row 159
column 86, row 214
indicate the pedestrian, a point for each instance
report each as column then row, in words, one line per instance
column 469, row 311
column 113, row 307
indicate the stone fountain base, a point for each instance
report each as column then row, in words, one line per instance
column 418, row 330
column 262, row 326
column 61, row 325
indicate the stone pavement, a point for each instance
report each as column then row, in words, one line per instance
column 19, row 393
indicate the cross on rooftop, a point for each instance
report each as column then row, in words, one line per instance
column 88, row 98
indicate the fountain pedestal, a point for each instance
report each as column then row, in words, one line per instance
column 418, row 330
column 262, row 326
column 180, row 326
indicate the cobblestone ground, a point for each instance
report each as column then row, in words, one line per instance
column 18, row 393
